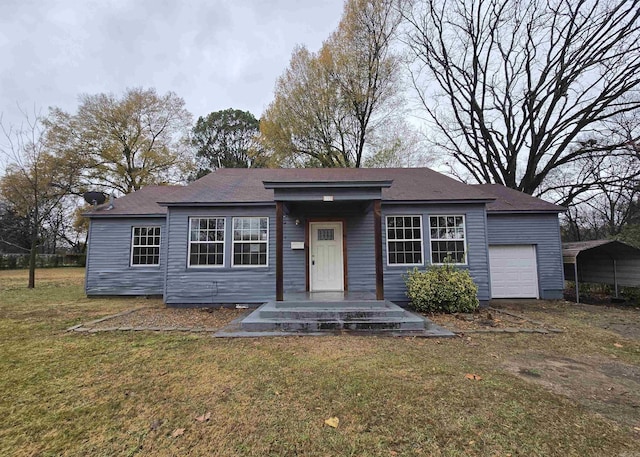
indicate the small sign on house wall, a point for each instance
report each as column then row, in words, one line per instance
column 297, row 245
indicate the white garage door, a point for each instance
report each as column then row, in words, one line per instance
column 514, row 273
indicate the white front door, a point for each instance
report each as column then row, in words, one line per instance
column 326, row 268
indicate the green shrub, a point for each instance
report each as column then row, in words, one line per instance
column 442, row 289
column 631, row 294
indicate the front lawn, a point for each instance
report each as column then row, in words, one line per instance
column 125, row 393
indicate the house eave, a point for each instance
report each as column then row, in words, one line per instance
column 524, row 211
column 124, row 216
column 437, row 202
column 226, row 204
column 326, row 184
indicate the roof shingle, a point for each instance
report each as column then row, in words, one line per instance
column 143, row 202
column 241, row 185
column 509, row 200
column 229, row 185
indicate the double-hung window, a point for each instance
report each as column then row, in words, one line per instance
column 145, row 246
column 250, row 241
column 206, row 241
column 404, row 240
column 448, row 243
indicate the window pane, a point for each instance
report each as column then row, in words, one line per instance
column 145, row 246
column 404, row 240
column 206, row 241
column 250, row 236
column 325, row 234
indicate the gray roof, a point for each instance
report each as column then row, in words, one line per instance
column 613, row 248
column 509, row 200
column 241, row 185
column 244, row 186
column 143, row 202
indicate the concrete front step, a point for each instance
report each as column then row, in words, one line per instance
column 346, row 314
column 271, row 317
column 330, row 304
column 302, row 325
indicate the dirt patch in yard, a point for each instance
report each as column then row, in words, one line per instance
column 620, row 319
column 606, row 386
column 170, row 318
column 486, row 320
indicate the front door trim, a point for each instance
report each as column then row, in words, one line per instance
column 307, row 249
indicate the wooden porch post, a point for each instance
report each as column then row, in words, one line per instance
column 279, row 255
column 377, row 239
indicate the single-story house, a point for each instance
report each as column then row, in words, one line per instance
column 256, row 235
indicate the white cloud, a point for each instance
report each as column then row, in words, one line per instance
column 215, row 54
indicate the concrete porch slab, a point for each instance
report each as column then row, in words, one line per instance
column 234, row 330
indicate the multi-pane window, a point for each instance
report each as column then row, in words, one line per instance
column 250, row 237
column 206, row 241
column 404, row 240
column 145, row 246
column 447, row 239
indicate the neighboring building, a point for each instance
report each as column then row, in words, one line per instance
column 254, row 235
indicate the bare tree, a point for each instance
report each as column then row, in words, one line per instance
column 511, row 87
column 610, row 205
column 35, row 180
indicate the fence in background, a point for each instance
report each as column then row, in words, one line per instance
column 21, row 261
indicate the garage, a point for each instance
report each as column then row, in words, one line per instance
column 514, row 271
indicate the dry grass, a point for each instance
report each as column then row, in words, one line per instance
column 125, row 393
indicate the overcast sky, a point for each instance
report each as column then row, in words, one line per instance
column 215, row 54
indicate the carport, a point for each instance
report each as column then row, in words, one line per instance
column 601, row 261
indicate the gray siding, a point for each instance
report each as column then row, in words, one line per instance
column 203, row 286
column 109, row 270
column 360, row 248
column 477, row 252
column 542, row 230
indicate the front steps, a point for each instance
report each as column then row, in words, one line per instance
column 321, row 316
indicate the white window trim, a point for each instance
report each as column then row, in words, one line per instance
column 386, row 234
column 223, row 242
column 466, row 248
column 234, row 242
column 133, row 246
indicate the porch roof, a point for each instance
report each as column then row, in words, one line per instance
column 327, row 191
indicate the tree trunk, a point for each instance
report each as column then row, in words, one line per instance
column 32, row 262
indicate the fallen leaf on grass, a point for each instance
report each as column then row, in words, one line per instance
column 332, row 422
column 473, row 377
column 618, row 345
column 177, row 432
column 204, row 417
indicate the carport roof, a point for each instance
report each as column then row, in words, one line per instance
column 613, row 248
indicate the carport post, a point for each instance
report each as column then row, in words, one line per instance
column 615, row 277
column 575, row 273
